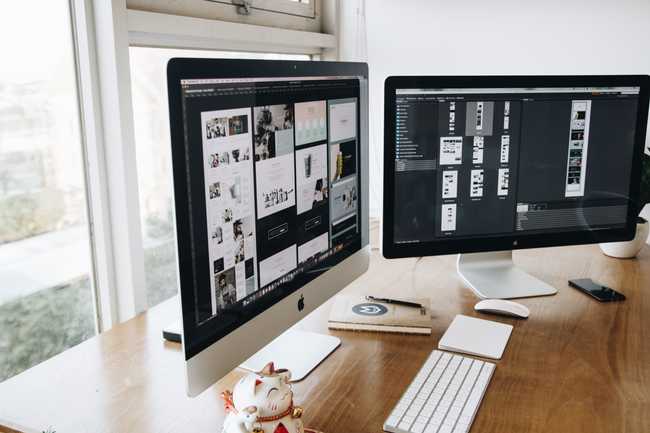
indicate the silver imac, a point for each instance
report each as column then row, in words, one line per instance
column 270, row 164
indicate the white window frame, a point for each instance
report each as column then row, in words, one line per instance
column 103, row 32
column 283, row 14
column 153, row 29
column 101, row 37
column 102, row 270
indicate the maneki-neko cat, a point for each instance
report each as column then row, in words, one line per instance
column 263, row 403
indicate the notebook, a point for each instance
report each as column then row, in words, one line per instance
column 357, row 314
column 476, row 337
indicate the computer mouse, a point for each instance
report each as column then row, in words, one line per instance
column 503, row 307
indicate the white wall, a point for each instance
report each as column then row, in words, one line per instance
column 473, row 37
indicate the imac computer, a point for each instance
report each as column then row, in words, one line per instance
column 270, row 165
column 484, row 165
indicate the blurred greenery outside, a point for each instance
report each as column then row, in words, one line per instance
column 43, row 324
column 160, row 264
column 31, row 213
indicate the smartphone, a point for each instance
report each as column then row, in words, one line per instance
column 595, row 290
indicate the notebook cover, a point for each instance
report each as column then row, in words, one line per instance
column 476, row 337
column 356, row 313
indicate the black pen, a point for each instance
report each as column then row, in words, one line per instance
column 395, row 301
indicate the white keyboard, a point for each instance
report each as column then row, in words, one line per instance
column 443, row 397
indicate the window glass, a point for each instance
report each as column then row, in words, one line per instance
column 46, row 298
column 153, row 153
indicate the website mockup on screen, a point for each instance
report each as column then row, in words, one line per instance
column 472, row 163
column 279, row 186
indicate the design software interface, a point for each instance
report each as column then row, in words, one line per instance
column 480, row 162
column 279, row 181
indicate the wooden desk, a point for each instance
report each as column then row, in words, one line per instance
column 575, row 366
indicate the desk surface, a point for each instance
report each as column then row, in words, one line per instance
column 575, row 365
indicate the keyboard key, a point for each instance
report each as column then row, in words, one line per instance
column 418, row 427
column 413, row 411
column 392, row 421
column 404, row 425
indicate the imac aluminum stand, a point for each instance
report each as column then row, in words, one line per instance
column 493, row 275
column 298, row 351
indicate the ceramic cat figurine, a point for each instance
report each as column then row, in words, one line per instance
column 263, row 403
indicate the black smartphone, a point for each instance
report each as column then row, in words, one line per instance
column 595, row 290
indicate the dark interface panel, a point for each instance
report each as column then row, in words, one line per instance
column 483, row 162
column 273, row 173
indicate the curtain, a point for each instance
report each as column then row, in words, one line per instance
column 353, row 47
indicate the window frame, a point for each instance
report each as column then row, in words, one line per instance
column 283, row 14
column 101, row 45
column 103, row 32
column 94, row 170
column 154, row 29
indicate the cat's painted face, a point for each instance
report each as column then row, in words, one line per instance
column 268, row 390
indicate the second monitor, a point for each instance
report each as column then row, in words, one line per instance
column 477, row 164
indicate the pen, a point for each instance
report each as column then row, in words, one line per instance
column 395, row 301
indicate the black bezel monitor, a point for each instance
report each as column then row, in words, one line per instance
column 436, row 245
column 245, row 90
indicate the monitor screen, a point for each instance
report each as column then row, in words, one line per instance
column 473, row 163
column 274, row 191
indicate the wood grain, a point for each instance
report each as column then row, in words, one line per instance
column 576, row 365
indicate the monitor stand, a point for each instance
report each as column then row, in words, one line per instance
column 493, row 275
column 298, row 351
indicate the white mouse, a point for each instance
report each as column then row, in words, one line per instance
column 503, row 307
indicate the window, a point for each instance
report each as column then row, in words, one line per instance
column 46, row 295
column 151, row 118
